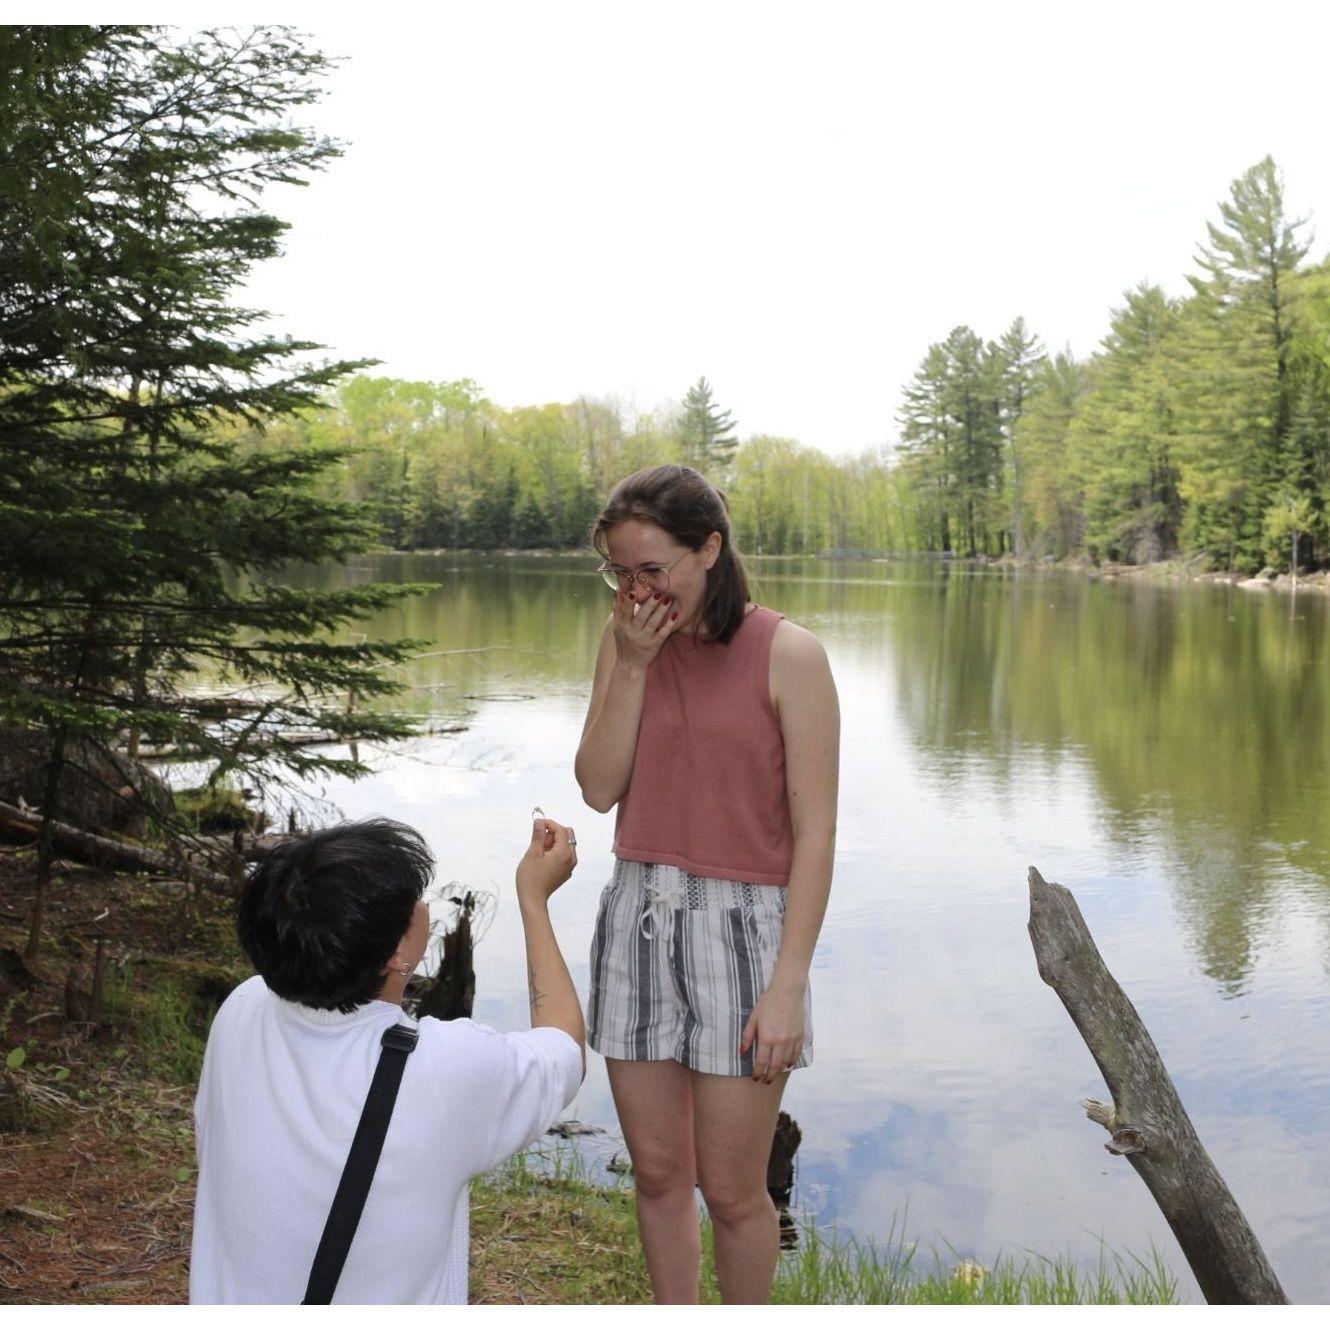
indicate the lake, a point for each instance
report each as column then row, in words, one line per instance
column 1161, row 750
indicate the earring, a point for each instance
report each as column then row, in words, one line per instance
column 404, row 969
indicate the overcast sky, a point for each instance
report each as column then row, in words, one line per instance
column 793, row 199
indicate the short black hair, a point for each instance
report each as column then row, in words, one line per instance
column 322, row 914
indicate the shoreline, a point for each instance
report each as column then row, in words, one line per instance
column 1161, row 571
column 96, row 1134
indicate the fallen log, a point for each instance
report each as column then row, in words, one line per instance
column 114, row 855
column 251, row 849
column 299, row 738
column 1146, row 1120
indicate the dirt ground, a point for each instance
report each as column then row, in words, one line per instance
column 96, row 1120
column 96, row 1130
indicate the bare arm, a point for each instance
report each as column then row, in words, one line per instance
column 805, row 697
column 547, row 864
column 604, row 763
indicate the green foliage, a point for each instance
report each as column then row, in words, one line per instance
column 214, row 808
column 155, row 479
column 784, row 498
column 169, row 1020
column 1019, row 359
column 705, row 432
column 1122, row 443
column 1286, row 521
column 1236, row 366
column 1052, row 497
column 957, row 428
column 1190, row 432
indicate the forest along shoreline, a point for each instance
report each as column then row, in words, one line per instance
column 1163, row 570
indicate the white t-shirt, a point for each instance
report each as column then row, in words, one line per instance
column 281, row 1093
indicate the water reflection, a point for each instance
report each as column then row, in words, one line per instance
column 1202, row 712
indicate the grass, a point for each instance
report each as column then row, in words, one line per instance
column 543, row 1232
column 829, row 1269
column 169, row 1015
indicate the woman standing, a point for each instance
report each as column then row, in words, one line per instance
column 714, row 726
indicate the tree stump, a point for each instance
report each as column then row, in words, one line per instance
column 780, row 1175
column 452, row 992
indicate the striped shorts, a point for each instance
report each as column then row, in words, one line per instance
column 677, row 964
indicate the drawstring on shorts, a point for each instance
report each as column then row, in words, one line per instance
column 658, row 913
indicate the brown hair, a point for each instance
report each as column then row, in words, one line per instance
column 687, row 507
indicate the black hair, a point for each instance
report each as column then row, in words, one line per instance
column 321, row 916
column 687, row 507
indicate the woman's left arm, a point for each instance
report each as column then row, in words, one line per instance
column 804, row 695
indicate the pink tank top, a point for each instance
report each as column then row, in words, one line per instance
column 707, row 792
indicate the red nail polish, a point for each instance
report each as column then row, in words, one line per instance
column 675, row 615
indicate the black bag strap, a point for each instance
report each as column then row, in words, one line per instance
column 367, row 1145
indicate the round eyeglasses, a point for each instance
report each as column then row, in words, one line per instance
column 655, row 577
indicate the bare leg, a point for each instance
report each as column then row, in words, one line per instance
column 654, row 1101
column 734, row 1121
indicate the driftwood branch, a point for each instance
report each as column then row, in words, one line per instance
column 114, row 855
column 1146, row 1120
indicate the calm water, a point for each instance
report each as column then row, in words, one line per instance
column 1162, row 751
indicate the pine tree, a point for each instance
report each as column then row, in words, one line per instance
column 951, row 437
column 141, row 530
column 1020, row 355
column 925, row 448
column 971, row 405
column 1235, row 368
column 1052, row 490
column 706, row 433
column 1124, row 439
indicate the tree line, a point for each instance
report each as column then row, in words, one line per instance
column 1200, row 428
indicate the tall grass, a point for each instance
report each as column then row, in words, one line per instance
column 827, row 1268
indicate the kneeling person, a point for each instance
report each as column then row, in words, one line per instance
column 334, row 924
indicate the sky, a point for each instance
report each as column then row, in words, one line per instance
column 794, row 200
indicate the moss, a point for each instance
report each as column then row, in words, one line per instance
column 168, row 1017
column 216, row 809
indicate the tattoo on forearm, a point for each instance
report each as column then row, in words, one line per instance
column 537, row 997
